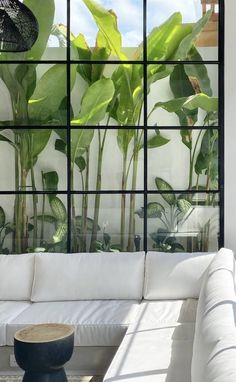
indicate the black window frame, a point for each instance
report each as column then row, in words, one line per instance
column 145, row 62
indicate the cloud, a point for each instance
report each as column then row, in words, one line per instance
column 130, row 16
column 160, row 10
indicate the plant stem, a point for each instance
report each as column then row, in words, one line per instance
column 123, row 203
column 75, row 246
column 101, row 143
column 43, row 213
column 15, row 243
column 23, row 213
column 192, row 160
column 85, row 205
column 132, row 196
column 34, row 196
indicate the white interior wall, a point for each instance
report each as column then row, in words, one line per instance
column 230, row 128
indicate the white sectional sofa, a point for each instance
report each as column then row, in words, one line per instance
column 134, row 315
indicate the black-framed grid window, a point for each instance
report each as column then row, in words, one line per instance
column 112, row 129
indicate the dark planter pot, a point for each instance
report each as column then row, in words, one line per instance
column 43, row 362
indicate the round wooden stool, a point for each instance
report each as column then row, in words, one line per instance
column 42, row 350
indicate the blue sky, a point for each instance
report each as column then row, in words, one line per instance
column 129, row 14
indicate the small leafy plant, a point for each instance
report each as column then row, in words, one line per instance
column 171, row 218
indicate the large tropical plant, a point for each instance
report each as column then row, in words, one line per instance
column 35, row 101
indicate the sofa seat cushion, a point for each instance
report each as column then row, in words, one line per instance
column 157, row 346
column 169, row 311
column 97, row 323
column 9, row 310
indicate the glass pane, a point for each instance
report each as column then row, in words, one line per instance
column 33, row 223
column 193, row 163
column 119, row 42
column 106, row 95
column 166, row 43
column 106, row 223
column 183, row 95
column 51, row 41
column 107, row 159
column 179, row 223
column 33, row 95
column 25, row 155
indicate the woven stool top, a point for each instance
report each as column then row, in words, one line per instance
column 44, row 333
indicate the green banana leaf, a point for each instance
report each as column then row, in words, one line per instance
column 80, row 139
column 107, row 24
column 44, row 14
column 202, row 101
column 50, row 90
column 95, row 102
column 187, row 43
column 163, row 41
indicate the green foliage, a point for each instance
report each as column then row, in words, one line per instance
column 187, row 43
column 49, row 92
column 157, row 140
column 95, row 102
column 2, row 218
column 207, row 160
column 162, row 185
column 154, row 210
column 171, row 218
column 58, row 209
column 107, row 24
column 45, row 21
column 50, row 180
column 201, row 100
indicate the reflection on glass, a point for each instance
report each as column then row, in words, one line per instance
column 106, row 223
column 33, row 223
column 196, row 20
column 180, row 223
column 93, row 169
column 51, row 42
column 33, row 94
column 194, row 161
column 27, row 153
column 183, row 95
column 121, row 30
column 106, row 95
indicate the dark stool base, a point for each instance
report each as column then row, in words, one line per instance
column 54, row 376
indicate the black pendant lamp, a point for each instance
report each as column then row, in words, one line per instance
column 18, row 27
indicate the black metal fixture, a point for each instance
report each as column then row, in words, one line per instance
column 18, row 27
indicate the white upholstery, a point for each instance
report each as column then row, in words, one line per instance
column 174, row 275
column 221, row 364
column 16, row 277
column 90, row 276
column 157, row 346
column 97, row 323
column 215, row 311
column 8, row 311
column 100, row 295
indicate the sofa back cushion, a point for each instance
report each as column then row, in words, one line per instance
column 215, row 312
column 88, row 276
column 171, row 276
column 16, row 277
